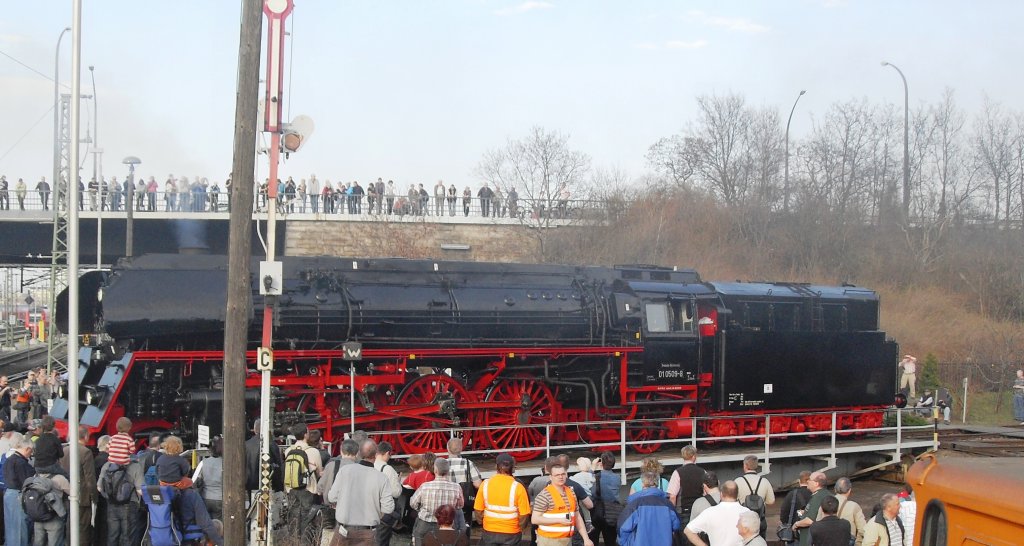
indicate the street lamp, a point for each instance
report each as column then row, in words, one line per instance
column 56, row 111
column 785, row 180
column 131, row 161
column 97, row 170
column 906, row 143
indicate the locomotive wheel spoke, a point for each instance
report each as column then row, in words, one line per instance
column 427, row 390
column 530, row 402
column 646, row 431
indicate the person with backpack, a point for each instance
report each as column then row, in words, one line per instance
column 795, row 499
column 302, row 467
column 755, row 492
column 119, row 483
column 712, row 495
column 44, row 498
column 17, row 469
column 177, row 514
column 149, row 457
column 812, row 512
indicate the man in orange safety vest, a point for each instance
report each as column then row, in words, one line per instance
column 502, row 506
column 556, row 513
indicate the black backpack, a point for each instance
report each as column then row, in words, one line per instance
column 40, row 501
column 755, row 503
column 118, row 485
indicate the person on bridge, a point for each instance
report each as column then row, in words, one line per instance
column 502, row 506
column 20, row 191
column 43, row 188
column 5, row 196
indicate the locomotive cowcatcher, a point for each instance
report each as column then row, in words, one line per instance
column 450, row 344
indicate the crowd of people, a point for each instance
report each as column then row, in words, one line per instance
column 129, row 491
column 125, row 494
column 577, row 503
column 199, row 194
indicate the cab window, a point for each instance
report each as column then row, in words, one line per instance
column 666, row 317
column 657, row 318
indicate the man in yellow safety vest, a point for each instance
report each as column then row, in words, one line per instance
column 556, row 514
column 502, row 506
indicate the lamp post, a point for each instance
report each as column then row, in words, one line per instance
column 97, row 170
column 785, row 180
column 56, row 110
column 131, row 161
column 906, row 143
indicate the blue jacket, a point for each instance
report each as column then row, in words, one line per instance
column 648, row 519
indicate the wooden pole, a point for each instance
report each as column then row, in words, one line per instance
column 239, row 290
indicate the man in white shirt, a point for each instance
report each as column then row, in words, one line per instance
column 719, row 521
column 909, row 365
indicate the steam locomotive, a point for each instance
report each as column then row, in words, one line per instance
column 518, row 354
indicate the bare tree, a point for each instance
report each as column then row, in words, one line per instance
column 721, row 137
column 545, row 172
column 993, row 144
column 677, row 157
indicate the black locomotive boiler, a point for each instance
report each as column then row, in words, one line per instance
column 514, row 351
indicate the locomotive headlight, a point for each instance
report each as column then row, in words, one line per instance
column 99, row 295
column 94, row 395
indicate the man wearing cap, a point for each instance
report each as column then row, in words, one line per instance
column 909, row 365
column 502, row 506
column 172, row 470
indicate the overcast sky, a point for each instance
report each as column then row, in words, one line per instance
column 417, row 90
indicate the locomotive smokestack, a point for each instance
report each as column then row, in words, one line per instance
column 191, row 235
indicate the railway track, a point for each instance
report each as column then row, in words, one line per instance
column 984, row 444
column 17, row 363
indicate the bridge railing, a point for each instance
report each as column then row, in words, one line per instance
column 336, row 207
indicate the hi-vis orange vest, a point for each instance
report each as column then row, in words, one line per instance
column 501, row 513
column 559, row 510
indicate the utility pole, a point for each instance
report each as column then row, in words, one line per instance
column 239, row 291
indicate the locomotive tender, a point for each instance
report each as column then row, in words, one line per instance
column 504, row 346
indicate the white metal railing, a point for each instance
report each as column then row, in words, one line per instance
column 899, row 444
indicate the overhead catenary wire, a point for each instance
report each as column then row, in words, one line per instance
column 48, row 78
column 45, row 115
